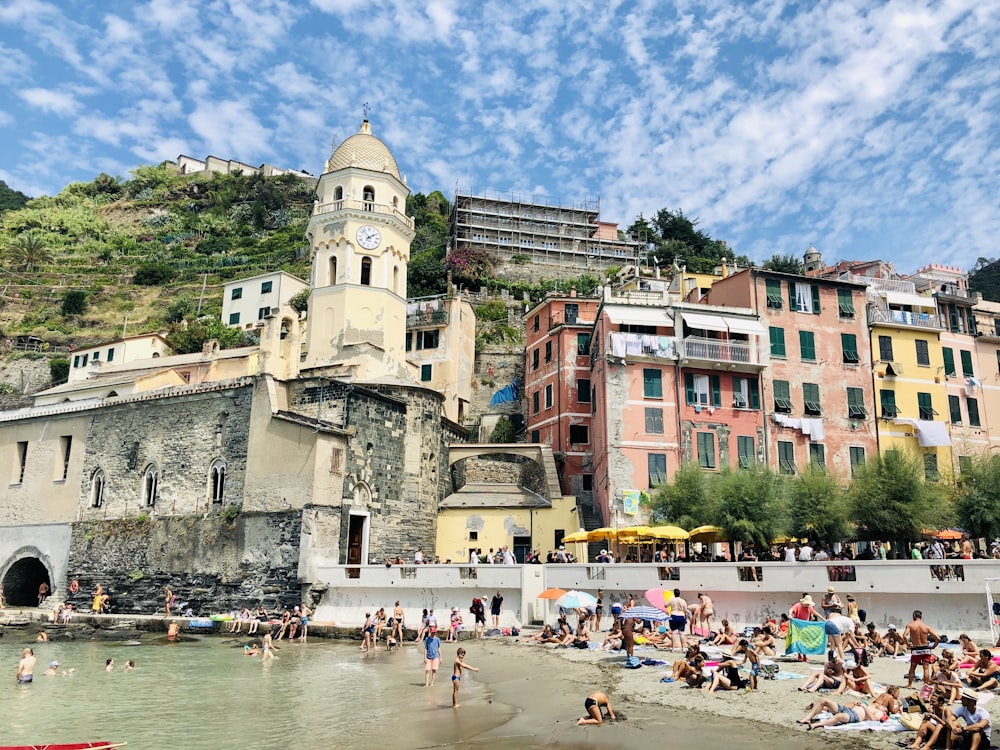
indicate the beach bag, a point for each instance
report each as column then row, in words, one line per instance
column 506, row 631
column 769, row 671
column 911, row 721
column 632, row 662
column 515, row 631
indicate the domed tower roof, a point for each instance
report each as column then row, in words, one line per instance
column 365, row 151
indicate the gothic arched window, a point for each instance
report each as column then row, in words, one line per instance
column 333, row 270
column 338, row 193
column 150, row 485
column 217, row 481
column 97, row 482
column 366, row 271
column 368, row 196
column 395, row 279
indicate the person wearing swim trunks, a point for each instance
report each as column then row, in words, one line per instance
column 976, row 730
column 456, row 675
column 851, row 713
column 593, row 705
column 678, row 609
column 920, row 635
column 432, row 656
column 26, row 667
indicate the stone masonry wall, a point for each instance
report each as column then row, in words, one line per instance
column 214, row 563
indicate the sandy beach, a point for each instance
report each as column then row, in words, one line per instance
column 547, row 687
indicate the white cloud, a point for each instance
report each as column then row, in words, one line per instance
column 230, row 129
column 60, row 103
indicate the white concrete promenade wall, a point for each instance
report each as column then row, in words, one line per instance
column 888, row 591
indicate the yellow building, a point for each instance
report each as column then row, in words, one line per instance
column 491, row 516
column 987, row 344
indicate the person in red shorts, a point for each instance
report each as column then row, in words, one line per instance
column 919, row 635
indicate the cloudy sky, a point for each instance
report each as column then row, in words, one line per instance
column 870, row 129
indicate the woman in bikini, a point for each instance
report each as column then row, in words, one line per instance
column 850, row 713
column 726, row 636
column 984, row 673
column 970, row 651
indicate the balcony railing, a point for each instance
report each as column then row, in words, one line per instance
column 723, row 350
column 350, row 204
column 436, row 318
column 884, row 285
column 905, row 318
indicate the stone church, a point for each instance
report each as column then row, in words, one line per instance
column 234, row 475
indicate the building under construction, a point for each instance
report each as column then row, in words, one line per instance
column 508, row 226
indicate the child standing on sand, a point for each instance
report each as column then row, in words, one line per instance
column 456, row 676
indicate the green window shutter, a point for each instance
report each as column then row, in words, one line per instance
column 949, row 361
column 810, row 398
column 807, row 345
column 888, row 401
column 955, row 409
column 652, row 385
column 753, row 390
column 777, row 336
column 845, row 303
column 815, row 296
column 792, row 302
column 849, row 344
column 706, row 450
column 690, row 397
column 967, row 363
column 782, row 396
column 716, row 390
column 930, row 467
column 773, row 291
column 925, row 406
column 973, row 405
column 747, row 456
column 786, row 457
column 856, row 403
column 857, row 457
column 817, row 454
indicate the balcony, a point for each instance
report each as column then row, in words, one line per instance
column 883, row 285
column 904, row 318
column 350, row 204
column 724, row 352
column 631, row 345
column 436, row 318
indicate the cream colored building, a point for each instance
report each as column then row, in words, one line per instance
column 246, row 302
column 89, row 360
column 441, row 344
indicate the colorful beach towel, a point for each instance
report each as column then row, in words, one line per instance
column 805, row 637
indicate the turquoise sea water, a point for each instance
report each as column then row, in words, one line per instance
column 204, row 693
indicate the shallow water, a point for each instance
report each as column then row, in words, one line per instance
column 204, row 693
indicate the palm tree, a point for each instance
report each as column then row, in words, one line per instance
column 28, row 250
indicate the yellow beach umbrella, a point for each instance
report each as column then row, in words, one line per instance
column 671, row 533
column 575, row 537
column 636, row 531
column 603, row 534
column 708, row 535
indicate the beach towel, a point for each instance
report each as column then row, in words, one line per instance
column 632, row 662
column 805, row 637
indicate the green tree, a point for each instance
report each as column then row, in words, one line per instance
column 10, row 199
column 978, row 501
column 59, row 370
column 503, row 432
column 190, row 336
column 153, row 274
column 426, row 275
column 785, row 264
column 817, row 509
column 888, row 500
column 74, row 302
column 28, row 251
column 469, row 267
column 300, row 301
column 749, row 505
column 684, row 501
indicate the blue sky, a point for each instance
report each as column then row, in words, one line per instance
column 870, row 129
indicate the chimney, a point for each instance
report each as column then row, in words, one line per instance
column 724, row 270
column 572, row 291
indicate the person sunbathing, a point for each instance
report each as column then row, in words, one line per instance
column 856, row 678
column 613, row 640
column 970, row 651
column 564, row 635
column 850, row 713
column 831, row 678
column 546, row 636
column 893, row 643
column 692, row 662
column 764, row 641
column 984, row 673
column 725, row 636
column 726, row 676
column 889, row 700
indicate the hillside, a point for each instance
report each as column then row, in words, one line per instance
column 985, row 278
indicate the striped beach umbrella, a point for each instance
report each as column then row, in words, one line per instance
column 643, row 612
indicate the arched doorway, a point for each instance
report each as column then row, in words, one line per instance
column 21, row 582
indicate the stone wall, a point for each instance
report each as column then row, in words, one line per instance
column 25, row 375
column 213, row 563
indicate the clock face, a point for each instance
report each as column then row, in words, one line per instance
column 369, row 237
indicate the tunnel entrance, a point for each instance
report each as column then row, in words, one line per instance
column 20, row 585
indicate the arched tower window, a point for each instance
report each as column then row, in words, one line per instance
column 338, row 193
column 395, row 279
column 366, row 271
column 217, row 481
column 395, row 201
column 97, row 482
column 368, row 196
column 333, row 270
column 150, row 485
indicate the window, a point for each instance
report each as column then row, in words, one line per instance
column 427, row 339
column 582, row 344
column 786, row 457
column 22, row 460
column 583, row 390
column 535, row 399
column 925, row 406
column 803, row 297
column 217, row 481
column 150, row 485
column 745, row 451
column 111, row 355
column 572, row 312
column 86, row 358
column 654, row 421
column 97, row 482
column 536, row 436
column 652, row 383
column 777, row 341
column 955, row 409
column 702, row 390
column 967, row 363
column 706, row 450
column 857, row 457
column 535, row 358
column 76, row 360
column 773, row 290
column 949, row 361
column 964, row 464
column 856, row 403
column 930, row 467
column 366, row 272
column 807, row 345
column 782, row 396
column 548, row 351
column 537, row 322
column 888, row 401
column 95, row 357
column 548, row 396
column 237, row 293
column 923, row 355
column 885, row 348
column 817, row 455
column 234, row 319
column 265, row 287
column 657, row 464
column 746, row 393
column 579, row 433
column 810, row 397
column 263, row 312
column 845, row 303
column 66, row 444
column 426, row 373
column 973, row 406
column 409, row 340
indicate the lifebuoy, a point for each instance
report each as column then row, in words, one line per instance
column 73, row 586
